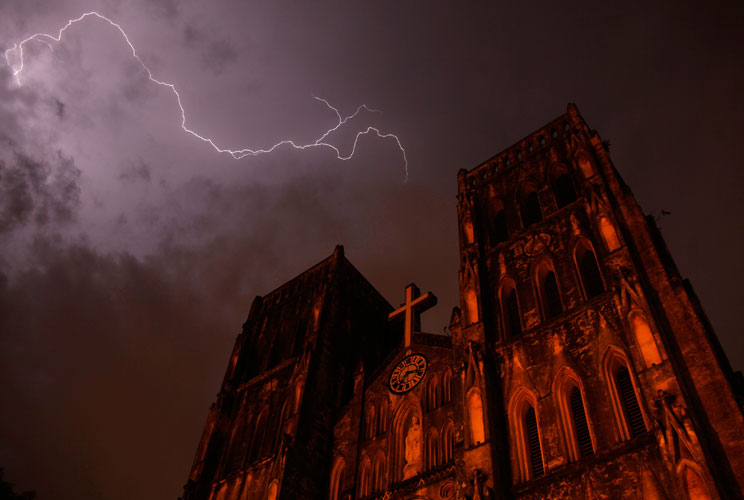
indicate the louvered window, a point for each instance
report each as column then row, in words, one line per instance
column 531, row 210
column 500, row 232
column 590, row 275
column 564, row 190
column 580, row 425
column 551, row 296
column 513, row 320
column 629, row 401
column 533, row 442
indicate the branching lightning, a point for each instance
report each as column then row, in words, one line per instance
column 16, row 52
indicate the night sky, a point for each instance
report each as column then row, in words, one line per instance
column 131, row 251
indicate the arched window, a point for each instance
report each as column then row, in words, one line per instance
column 591, row 279
column 378, row 479
column 624, row 396
column 570, row 401
column 644, row 338
column 337, row 479
column 369, row 422
column 564, row 190
column 530, row 207
column 631, row 408
column 475, row 414
column 499, row 230
column 382, row 418
column 433, row 393
column 447, row 386
column 471, row 305
column 432, row 449
column 532, row 441
column 260, row 429
column 525, row 434
column 273, row 491
column 365, row 478
column 695, row 486
column 581, row 427
column 585, row 164
column 550, row 296
column 609, row 236
column 448, row 442
column 238, row 448
column 511, row 317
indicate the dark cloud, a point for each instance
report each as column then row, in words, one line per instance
column 220, row 55
column 150, row 246
column 37, row 192
column 136, row 171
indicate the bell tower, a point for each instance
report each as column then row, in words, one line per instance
column 591, row 358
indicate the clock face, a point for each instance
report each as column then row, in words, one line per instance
column 408, row 373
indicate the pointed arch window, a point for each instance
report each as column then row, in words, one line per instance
column 259, row 433
column 433, row 398
column 575, row 424
column 631, row 408
column 337, row 479
column 365, row 479
column 525, row 434
column 511, row 316
column 378, row 477
column 564, row 190
column 591, row 279
column 581, row 427
column 530, row 208
column 447, row 387
column 448, row 442
column 382, row 417
column 475, row 414
column 624, row 396
column 532, row 438
column 369, row 422
column 432, row 449
column 644, row 338
column 550, row 296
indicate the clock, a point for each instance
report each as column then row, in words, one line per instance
column 408, row 373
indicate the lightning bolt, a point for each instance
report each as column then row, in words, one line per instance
column 17, row 52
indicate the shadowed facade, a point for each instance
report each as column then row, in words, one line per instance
column 580, row 364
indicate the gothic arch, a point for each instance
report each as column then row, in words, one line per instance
column 547, row 289
column 644, row 338
column 337, row 478
column 369, row 420
column 471, row 304
column 578, row 433
column 447, row 386
column 433, row 398
column 403, row 436
column 587, row 268
column 692, row 479
column 273, row 490
column 364, row 486
column 476, row 421
column 511, row 316
column 527, row 451
column 609, row 235
column 448, row 441
column 378, row 472
column 432, row 448
column 625, row 396
column 382, row 416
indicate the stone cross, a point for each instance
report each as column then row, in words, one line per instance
column 414, row 305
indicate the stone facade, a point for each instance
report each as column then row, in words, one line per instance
column 580, row 364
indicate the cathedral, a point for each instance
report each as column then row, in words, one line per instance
column 580, row 364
